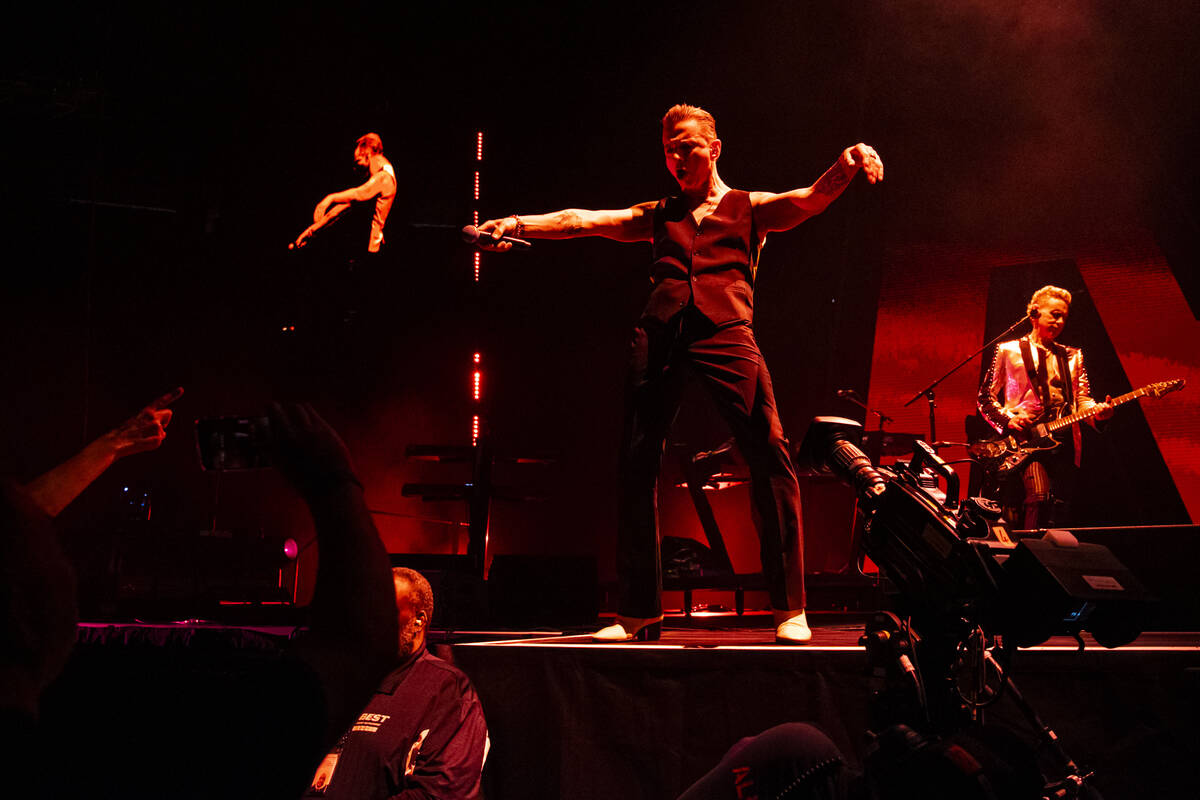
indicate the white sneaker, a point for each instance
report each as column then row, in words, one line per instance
column 627, row 628
column 791, row 627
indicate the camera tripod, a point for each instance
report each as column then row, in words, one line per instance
column 969, row 678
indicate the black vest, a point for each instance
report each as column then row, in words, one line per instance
column 711, row 266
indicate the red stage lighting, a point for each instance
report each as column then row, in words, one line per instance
column 477, row 373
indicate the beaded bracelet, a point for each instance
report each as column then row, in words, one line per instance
column 520, row 231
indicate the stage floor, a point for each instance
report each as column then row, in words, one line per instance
column 832, row 632
column 573, row 718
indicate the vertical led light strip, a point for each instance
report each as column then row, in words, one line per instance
column 477, row 397
column 478, row 165
column 476, row 371
column 477, row 379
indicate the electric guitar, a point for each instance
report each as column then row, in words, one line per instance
column 1008, row 453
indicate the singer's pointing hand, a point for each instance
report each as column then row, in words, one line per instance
column 494, row 229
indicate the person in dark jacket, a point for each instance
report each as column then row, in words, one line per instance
column 423, row 734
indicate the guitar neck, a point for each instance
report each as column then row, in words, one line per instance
column 1063, row 422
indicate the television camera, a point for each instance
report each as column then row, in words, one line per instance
column 966, row 594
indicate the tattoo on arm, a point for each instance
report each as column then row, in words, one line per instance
column 570, row 222
column 833, row 181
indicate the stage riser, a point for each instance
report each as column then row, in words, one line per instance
column 642, row 723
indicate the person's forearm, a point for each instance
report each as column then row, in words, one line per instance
column 831, row 185
column 353, row 593
column 329, row 216
column 789, row 209
column 786, row 210
column 322, row 218
column 634, row 224
column 990, row 407
column 353, row 628
column 138, row 434
column 55, row 490
column 565, row 224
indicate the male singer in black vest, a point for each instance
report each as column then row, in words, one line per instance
column 706, row 245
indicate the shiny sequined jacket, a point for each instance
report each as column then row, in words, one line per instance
column 1009, row 388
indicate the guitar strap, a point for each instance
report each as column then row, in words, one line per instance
column 1064, row 369
column 1038, row 371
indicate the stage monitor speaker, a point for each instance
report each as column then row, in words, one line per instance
column 540, row 591
column 1165, row 559
column 1062, row 585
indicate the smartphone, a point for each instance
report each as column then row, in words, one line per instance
column 228, row 443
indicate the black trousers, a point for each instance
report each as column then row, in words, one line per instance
column 731, row 367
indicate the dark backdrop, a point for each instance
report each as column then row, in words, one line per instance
column 163, row 157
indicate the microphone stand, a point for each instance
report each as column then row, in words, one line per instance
column 928, row 393
column 876, row 447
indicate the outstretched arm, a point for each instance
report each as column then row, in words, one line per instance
column 786, row 210
column 634, row 224
column 53, row 491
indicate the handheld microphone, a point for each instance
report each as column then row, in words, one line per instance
column 473, row 235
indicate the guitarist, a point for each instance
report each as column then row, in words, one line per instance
column 1033, row 380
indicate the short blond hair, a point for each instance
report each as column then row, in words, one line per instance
column 679, row 112
column 1046, row 292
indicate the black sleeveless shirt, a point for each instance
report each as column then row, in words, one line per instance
column 711, row 265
